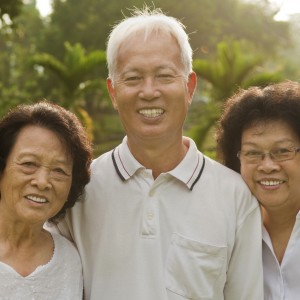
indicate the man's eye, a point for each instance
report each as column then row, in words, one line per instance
column 133, row 78
column 165, row 75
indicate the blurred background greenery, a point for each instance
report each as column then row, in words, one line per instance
column 61, row 57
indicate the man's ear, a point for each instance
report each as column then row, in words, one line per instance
column 112, row 93
column 191, row 84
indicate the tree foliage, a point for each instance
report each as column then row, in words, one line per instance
column 19, row 82
column 12, row 8
column 73, row 71
column 236, row 65
column 208, row 22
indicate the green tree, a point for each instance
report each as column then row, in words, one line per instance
column 235, row 66
column 87, row 22
column 19, row 82
column 290, row 55
column 208, row 22
column 73, row 73
column 11, row 8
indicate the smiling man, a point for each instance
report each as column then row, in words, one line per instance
column 161, row 221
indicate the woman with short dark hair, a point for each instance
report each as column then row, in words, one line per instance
column 45, row 159
column 259, row 136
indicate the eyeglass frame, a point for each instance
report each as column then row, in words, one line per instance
column 271, row 155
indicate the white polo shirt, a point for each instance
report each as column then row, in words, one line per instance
column 193, row 233
column 282, row 282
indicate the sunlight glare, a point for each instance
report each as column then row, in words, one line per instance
column 287, row 8
column 44, row 7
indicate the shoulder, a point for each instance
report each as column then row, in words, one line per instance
column 104, row 172
column 102, row 160
column 102, row 168
column 229, row 186
column 65, row 248
column 218, row 170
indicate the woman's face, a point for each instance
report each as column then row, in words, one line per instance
column 275, row 184
column 37, row 178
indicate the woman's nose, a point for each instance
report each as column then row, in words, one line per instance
column 41, row 178
column 267, row 164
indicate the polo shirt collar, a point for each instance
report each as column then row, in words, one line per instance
column 191, row 167
column 124, row 162
column 188, row 171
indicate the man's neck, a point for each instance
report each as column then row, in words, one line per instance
column 160, row 158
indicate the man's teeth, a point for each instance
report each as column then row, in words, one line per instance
column 151, row 113
column 37, row 199
column 271, row 182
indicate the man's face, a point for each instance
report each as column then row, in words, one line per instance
column 151, row 91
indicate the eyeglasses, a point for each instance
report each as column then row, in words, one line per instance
column 277, row 155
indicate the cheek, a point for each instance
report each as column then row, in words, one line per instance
column 10, row 192
column 123, row 91
column 67, row 191
column 247, row 175
column 123, row 103
column 294, row 177
column 63, row 191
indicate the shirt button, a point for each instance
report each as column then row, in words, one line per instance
column 150, row 216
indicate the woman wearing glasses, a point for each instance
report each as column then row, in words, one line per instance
column 259, row 136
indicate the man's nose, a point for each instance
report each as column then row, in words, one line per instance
column 149, row 89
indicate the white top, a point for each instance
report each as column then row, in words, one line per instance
column 59, row 279
column 193, row 233
column 282, row 282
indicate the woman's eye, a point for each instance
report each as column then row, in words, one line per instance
column 282, row 151
column 28, row 164
column 60, row 174
column 59, row 171
column 28, row 167
column 252, row 153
